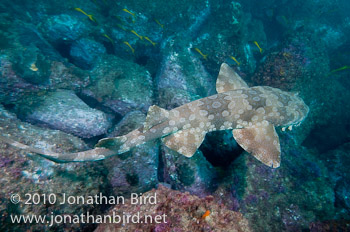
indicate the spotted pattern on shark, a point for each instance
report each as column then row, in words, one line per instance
column 250, row 112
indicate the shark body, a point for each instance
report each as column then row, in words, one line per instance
column 251, row 112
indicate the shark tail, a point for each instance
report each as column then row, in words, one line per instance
column 89, row 155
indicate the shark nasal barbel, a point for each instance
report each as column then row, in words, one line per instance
column 250, row 112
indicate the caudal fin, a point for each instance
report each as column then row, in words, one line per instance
column 89, row 155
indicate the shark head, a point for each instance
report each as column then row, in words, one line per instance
column 296, row 108
column 278, row 107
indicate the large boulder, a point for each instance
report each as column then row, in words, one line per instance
column 64, row 111
column 183, row 78
column 195, row 175
column 85, row 53
column 64, row 27
column 121, row 85
column 27, row 173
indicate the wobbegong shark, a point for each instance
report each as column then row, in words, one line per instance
column 252, row 113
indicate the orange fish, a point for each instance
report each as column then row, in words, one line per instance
column 206, row 214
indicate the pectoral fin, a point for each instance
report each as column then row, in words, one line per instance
column 185, row 142
column 262, row 142
column 228, row 80
column 155, row 116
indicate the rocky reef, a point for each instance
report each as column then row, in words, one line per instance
column 180, row 212
column 73, row 72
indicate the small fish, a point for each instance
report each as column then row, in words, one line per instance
column 125, row 10
column 149, row 40
column 157, row 21
column 33, row 67
column 233, row 58
column 260, row 49
column 109, row 38
column 340, row 69
column 91, row 17
column 132, row 49
column 200, row 52
column 134, row 32
column 121, row 27
column 206, row 214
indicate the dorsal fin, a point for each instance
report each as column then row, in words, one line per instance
column 155, row 116
column 228, row 80
column 262, row 142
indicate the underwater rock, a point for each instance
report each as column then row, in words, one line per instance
column 329, row 109
column 137, row 170
column 27, row 72
column 283, row 199
column 195, row 175
column 26, row 173
column 129, row 122
column 332, row 37
column 327, row 99
column 183, row 78
column 64, row 28
column 338, row 161
column 32, row 66
column 330, row 225
column 64, row 111
column 121, row 85
column 178, row 212
column 185, row 71
column 282, row 69
column 342, row 194
column 68, row 77
column 12, row 86
column 85, row 52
